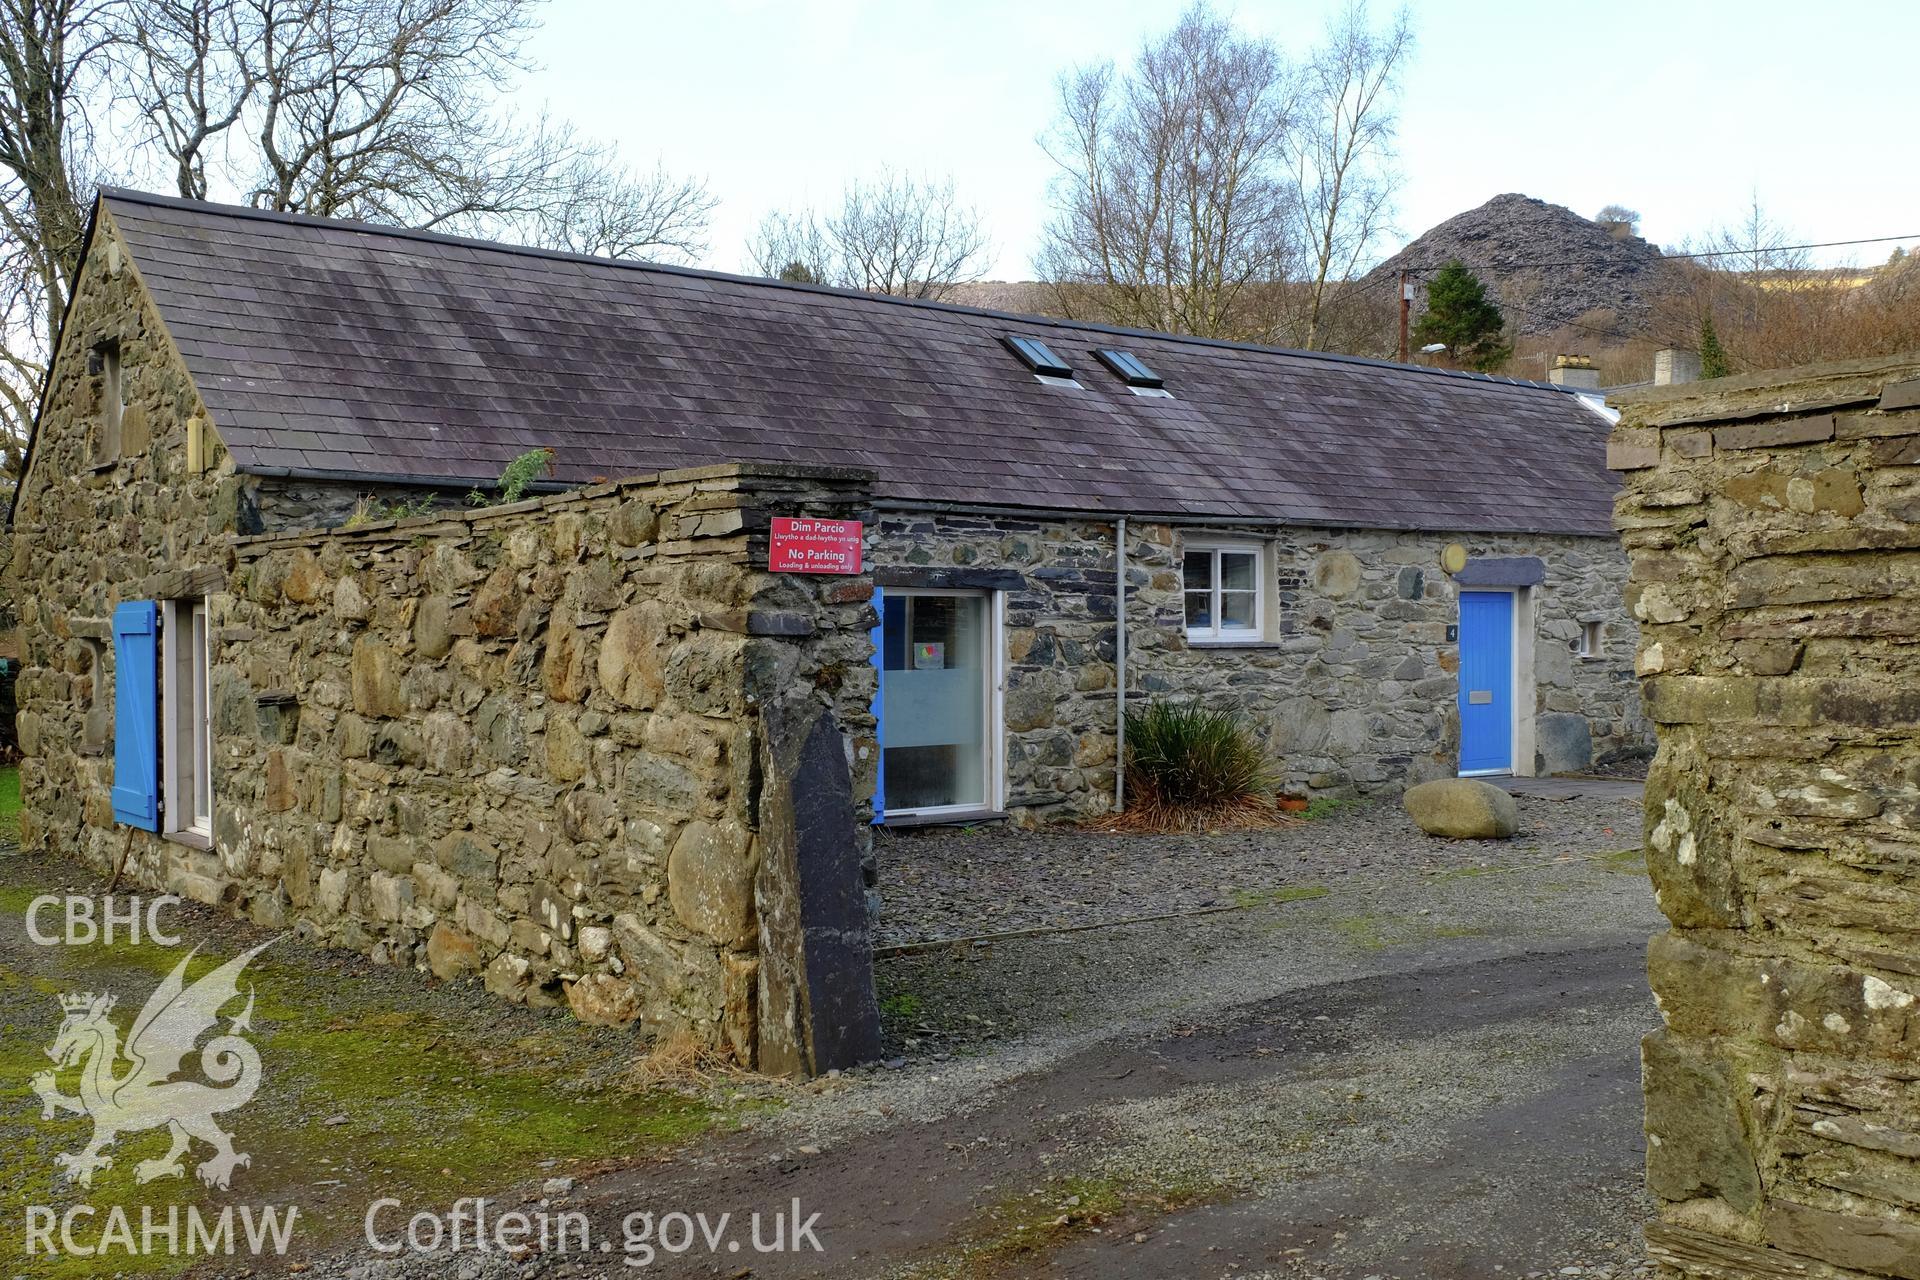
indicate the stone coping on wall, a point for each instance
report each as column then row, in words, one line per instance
column 1856, row 400
column 1805, row 389
column 257, row 544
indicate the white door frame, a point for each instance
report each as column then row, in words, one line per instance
column 994, row 688
column 1520, row 744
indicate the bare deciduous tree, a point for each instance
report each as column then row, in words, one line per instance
column 1173, row 198
column 1619, row 219
column 908, row 237
column 376, row 108
column 190, row 74
column 52, row 71
column 1773, row 307
column 383, row 110
column 1343, row 150
column 593, row 205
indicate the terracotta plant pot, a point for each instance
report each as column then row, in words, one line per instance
column 1292, row 804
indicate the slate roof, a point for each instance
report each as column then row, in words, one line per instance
column 330, row 349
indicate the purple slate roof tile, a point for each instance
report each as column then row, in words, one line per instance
column 330, row 347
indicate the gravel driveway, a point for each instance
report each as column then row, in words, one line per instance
column 1392, row 1057
column 962, row 882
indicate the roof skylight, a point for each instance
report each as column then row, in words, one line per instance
column 1038, row 356
column 1129, row 367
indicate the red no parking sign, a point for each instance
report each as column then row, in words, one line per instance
column 803, row 545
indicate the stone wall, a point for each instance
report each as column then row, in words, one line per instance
column 1774, row 530
column 1354, row 687
column 1058, row 576
column 580, row 748
column 532, row 742
column 1358, row 688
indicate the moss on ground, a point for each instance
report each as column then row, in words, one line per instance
column 371, row 1087
column 1377, row 932
column 1362, row 931
column 10, row 801
column 1623, row 861
column 901, row 1005
column 1024, row 1228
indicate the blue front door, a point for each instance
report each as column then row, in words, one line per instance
column 1486, row 682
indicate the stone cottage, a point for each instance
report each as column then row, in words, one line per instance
column 285, row 652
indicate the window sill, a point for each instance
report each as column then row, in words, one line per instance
column 943, row 818
column 192, row 839
column 97, row 467
column 1248, row 643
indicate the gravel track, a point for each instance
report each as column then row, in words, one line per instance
column 1397, row 1058
column 961, row 882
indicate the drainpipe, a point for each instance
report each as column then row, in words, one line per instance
column 1120, row 664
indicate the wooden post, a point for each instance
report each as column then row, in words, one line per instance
column 1406, row 303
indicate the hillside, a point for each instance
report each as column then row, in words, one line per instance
column 1504, row 239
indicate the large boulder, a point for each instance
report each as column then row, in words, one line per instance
column 1462, row 809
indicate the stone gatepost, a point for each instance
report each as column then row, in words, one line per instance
column 1773, row 525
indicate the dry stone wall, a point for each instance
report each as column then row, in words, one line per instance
column 536, row 744
column 1354, row 689
column 1774, row 529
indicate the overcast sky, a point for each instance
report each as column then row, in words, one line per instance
column 1680, row 109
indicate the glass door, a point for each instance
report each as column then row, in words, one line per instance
column 936, row 698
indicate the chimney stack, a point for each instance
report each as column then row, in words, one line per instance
column 1672, row 367
column 1574, row 371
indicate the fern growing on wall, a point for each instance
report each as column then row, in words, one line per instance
column 514, row 481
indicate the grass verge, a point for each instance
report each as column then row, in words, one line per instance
column 374, row 1084
column 10, row 800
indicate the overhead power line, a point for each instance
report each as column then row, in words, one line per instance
column 1707, row 253
column 1391, row 277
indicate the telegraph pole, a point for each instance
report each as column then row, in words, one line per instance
column 1406, row 304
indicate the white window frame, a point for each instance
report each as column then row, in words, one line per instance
column 1593, row 641
column 186, row 719
column 1217, row 634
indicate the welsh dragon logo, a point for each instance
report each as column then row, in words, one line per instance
column 144, row 1095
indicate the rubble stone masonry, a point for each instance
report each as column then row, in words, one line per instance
column 1774, row 529
column 1352, row 686
column 584, row 748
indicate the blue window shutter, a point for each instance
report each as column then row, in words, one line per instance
column 136, row 722
column 879, row 693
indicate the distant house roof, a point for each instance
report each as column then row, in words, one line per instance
column 331, row 349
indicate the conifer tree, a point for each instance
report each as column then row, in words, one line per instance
column 1713, row 357
column 1461, row 317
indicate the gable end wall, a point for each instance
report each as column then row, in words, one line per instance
column 86, row 538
